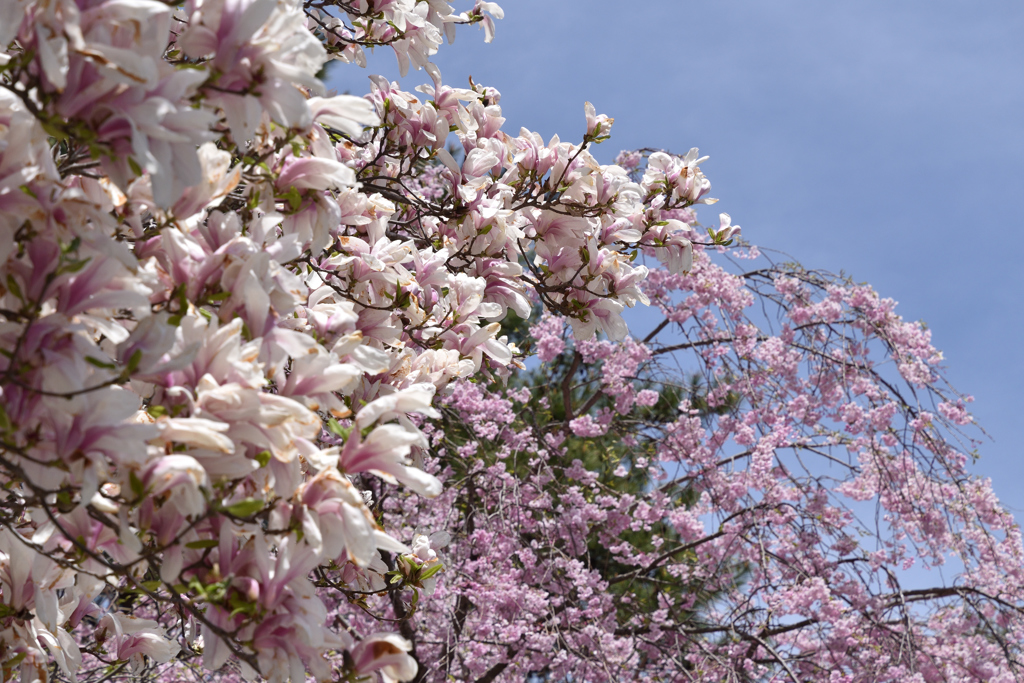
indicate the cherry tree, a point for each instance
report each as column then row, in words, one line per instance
column 768, row 485
column 265, row 412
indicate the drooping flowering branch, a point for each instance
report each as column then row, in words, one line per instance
column 755, row 491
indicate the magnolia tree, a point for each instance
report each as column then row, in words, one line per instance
column 263, row 411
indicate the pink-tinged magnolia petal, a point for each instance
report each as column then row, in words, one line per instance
column 254, row 15
column 386, row 653
column 196, row 431
column 726, row 230
column 173, row 561
column 384, row 452
column 63, row 648
column 321, row 373
column 427, row 485
column 595, row 121
column 9, row 28
column 243, row 113
column 368, row 359
column 498, row 351
column 312, row 173
column 215, row 651
column 415, row 399
column 343, row 112
column 479, row 162
column 198, row 42
column 183, row 478
column 46, row 606
column 285, row 104
column 218, row 180
column 53, row 56
column 134, row 636
column 449, row 161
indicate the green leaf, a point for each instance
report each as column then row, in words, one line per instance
column 334, row 428
column 245, row 508
column 5, row 420
column 430, row 571
column 137, row 487
column 242, row 609
column 99, row 364
column 293, row 198
column 134, row 165
column 64, row 500
column 73, row 266
column 13, row 288
column 133, row 362
column 263, row 458
column 52, row 130
column 205, row 543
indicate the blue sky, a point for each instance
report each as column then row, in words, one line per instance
column 884, row 139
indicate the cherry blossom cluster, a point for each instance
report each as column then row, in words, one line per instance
column 766, row 486
column 230, row 302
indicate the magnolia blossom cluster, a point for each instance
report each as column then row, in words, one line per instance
column 230, row 299
column 771, row 484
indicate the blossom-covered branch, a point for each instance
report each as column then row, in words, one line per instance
column 765, row 488
column 228, row 299
column 263, row 410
